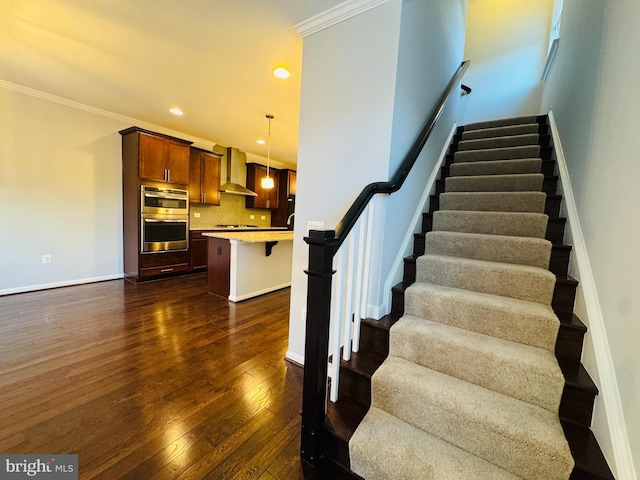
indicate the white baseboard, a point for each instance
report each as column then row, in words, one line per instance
column 66, row 283
column 295, row 357
column 257, row 293
column 608, row 388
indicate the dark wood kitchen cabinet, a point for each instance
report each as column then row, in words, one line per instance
column 145, row 158
column 162, row 158
column 198, row 249
column 165, row 263
column 204, row 177
column 286, row 198
column 219, row 261
column 267, row 197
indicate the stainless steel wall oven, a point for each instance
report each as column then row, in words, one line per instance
column 164, row 219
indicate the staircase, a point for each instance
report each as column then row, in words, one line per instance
column 476, row 372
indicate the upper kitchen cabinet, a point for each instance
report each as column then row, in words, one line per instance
column 161, row 158
column 204, row 177
column 267, row 197
column 288, row 183
column 286, row 199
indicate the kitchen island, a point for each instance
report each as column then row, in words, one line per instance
column 244, row 264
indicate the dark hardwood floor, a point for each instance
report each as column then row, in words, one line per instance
column 152, row 381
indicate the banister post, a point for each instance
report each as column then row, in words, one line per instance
column 316, row 350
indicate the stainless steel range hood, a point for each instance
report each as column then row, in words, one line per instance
column 236, row 174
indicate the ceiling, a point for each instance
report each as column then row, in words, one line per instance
column 211, row 58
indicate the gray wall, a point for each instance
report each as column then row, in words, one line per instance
column 506, row 41
column 592, row 93
column 368, row 84
column 431, row 50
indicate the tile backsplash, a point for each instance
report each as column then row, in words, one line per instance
column 231, row 211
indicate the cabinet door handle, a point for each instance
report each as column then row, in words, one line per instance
column 204, row 198
column 168, row 175
column 164, row 270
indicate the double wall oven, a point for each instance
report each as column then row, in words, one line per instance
column 164, row 219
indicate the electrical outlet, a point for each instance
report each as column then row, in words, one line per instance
column 263, row 217
column 196, row 215
column 46, row 258
column 314, row 225
column 252, row 217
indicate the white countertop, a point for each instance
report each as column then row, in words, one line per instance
column 253, row 237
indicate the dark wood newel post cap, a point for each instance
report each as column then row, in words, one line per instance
column 320, row 237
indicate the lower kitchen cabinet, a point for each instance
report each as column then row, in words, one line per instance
column 219, row 260
column 198, row 246
column 154, row 264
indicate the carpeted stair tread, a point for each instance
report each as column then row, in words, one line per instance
column 520, row 371
column 499, row 142
column 515, row 281
column 501, row 122
column 535, row 252
column 523, row 182
column 496, row 167
column 494, row 201
column 521, row 224
column 488, row 154
column 387, row 448
column 517, row 436
column 501, row 131
column 529, row 323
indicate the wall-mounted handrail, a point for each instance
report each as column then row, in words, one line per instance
column 323, row 246
column 351, row 217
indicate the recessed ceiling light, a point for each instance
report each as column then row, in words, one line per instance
column 260, row 141
column 176, row 111
column 281, row 72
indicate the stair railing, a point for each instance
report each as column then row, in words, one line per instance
column 341, row 251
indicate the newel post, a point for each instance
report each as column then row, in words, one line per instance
column 316, row 350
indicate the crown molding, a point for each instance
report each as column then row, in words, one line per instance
column 196, row 142
column 335, row 15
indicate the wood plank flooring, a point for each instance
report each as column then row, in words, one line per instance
column 152, row 381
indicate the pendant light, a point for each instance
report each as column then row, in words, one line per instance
column 267, row 182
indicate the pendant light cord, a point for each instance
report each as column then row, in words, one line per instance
column 270, row 117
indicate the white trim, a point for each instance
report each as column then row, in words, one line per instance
column 246, row 296
column 66, row 283
column 608, row 387
column 295, row 357
column 197, row 142
column 335, row 15
column 413, row 226
column 551, row 56
column 377, row 311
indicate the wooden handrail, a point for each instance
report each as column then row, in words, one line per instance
column 351, row 217
column 323, row 246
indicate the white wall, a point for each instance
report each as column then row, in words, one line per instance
column 431, row 50
column 61, row 190
column 507, row 42
column 591, row 91
column 346, row 109
column 368, row 84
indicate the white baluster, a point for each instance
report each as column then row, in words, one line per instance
column 336, row 322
